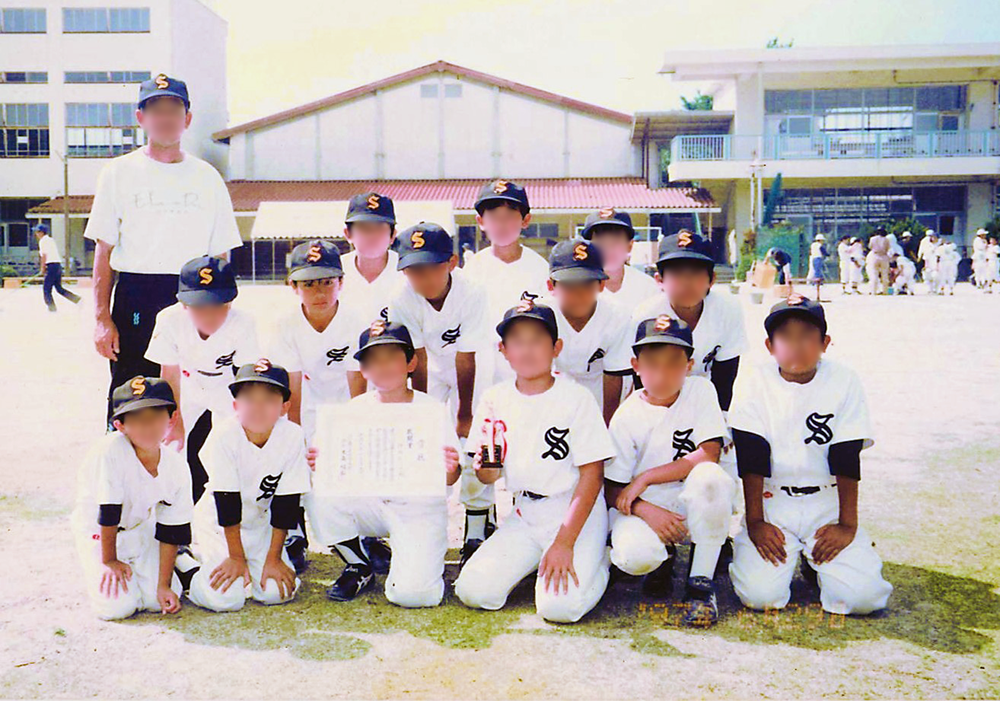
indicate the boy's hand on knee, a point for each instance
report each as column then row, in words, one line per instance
column 168, row 599
column 556, row 567
column 769, row 541
column 282, row 574
column 666, row 524
column 116, row 576
column 831, row 539
column 228, row 572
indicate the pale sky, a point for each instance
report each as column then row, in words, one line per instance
column 282, row 54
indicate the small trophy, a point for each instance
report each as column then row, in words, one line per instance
column 494, row 443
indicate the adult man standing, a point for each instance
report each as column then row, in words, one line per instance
column 50, row 266
column 155, row 209
column 879, row 245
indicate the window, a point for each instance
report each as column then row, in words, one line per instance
column 25, row 130
column 101, row 130
column 452, row 90
column 24, row 77
column 106, row 76
column 22, row 21
column 103, row 20
column 542, row 231
column 428, row 90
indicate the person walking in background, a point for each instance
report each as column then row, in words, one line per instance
column 50, row 266
column 817, row 255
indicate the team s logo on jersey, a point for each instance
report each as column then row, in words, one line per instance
column 417, row 239
column 598, row 354
column 138, row 385
column 558, row 448
column 262, row 365
column 818, row 425
column 450, row 336
column 384, row 314
column 373, row 201
column 206, row 276
column 162, row 82
column 500, row 187
column 683, row 444
column 527, row 296
column 580, row 252
column 268, row 486
column 336, row 355
column 225, row 360
column 710, row 358
column 684, row 239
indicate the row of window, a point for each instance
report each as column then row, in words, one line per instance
column 93, row 130
column 19, row 20
column 925, row 98
column 19, row 77
column 78, row 114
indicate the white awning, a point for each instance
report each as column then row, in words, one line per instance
column 325, row 220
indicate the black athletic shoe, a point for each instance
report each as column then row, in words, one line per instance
column 469, row 549
column 379, row 554
column 701, row 605
column 659, row 584
column 808, row 573
column 352, row 581
column 296, row 549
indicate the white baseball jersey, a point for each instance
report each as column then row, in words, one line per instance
column 323, row 357
column 719, row 335
column 47, row 246
column 647, row 436
column 112, row 474
column 801, row 421
column 928, row 251
column 602, row 345
column 234, row 464
column 207, row 364
column 370, row 299
column 637, row 287
column 548, row 435
column 461, row 326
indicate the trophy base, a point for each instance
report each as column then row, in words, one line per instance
column 487, row 461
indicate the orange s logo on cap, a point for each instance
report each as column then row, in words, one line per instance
column 263, row 365
column 377, row 328
column 138, row 385
column 684, row 239
column 606, row 213
column 500, row 187
column 206, row 276
column 417, row 239
column 162, row 82
column 795, row 299
column 373, row 201
column 526, row 305
column 580, row 252
column 315, row 253
column 663, row 322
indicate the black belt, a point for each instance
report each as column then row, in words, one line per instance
column 532, row 495
column 799, row 491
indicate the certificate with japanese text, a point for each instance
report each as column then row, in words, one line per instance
column 380, row 450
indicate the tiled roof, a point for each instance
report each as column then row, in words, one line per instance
column 544, row 194
column 436, row 67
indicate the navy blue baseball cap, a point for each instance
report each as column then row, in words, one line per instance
column 503, row 191
column 315, row 260
column 799, row 307
column 527, row 309
column 664, row 329
column 40, row 227
column 382, row 333
column 576, row 260
column 684, row 245
column 141, row 393
column 262, row 372
column 423, row 244
column 163, row 86
column 608, row 217
column 370, row 206
column 206, row 281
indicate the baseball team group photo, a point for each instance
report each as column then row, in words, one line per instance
column 439, row 384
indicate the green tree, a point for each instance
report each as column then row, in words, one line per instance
column 698, row 102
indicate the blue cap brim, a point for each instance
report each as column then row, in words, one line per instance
column 685, row 255
column 314, row 272
column 775, row 317
column 664, row 341
column 521, row 316
column 588, row 231
column 164, row 93
column 234, row 386
column 365, row 216
column 382, row 341
column 206, row 298
column 423, row 258
column 137, row 404
column 500, row 198
column 577, row 275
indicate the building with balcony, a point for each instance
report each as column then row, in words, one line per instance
column 69, row 79
column 859, row 135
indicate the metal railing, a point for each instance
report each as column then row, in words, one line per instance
column 895, row 143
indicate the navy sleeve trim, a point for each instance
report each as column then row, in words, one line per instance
column 618, row 373
column 845, row 459
column 109, row 515
column 174, row 535
column 285, row 511
column 723, row 377
column 229, row 507
column 753, row 454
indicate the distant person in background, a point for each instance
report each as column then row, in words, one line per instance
column 906, row 275
column 928, row 253
column 993, row 263
column 979, row 267
column 948, row 261
column 844, row 259
column 909, row 245
column 783, row 262
column 817, row 255
column 879, row 244
column 857, row 253
column 50, row 266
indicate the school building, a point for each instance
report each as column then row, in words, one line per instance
column 69, row 80
column 859, row 135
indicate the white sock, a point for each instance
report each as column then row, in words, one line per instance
column 704, row 559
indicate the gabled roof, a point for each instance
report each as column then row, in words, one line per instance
column 429, row 69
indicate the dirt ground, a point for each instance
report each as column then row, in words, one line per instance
column 929, row 497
